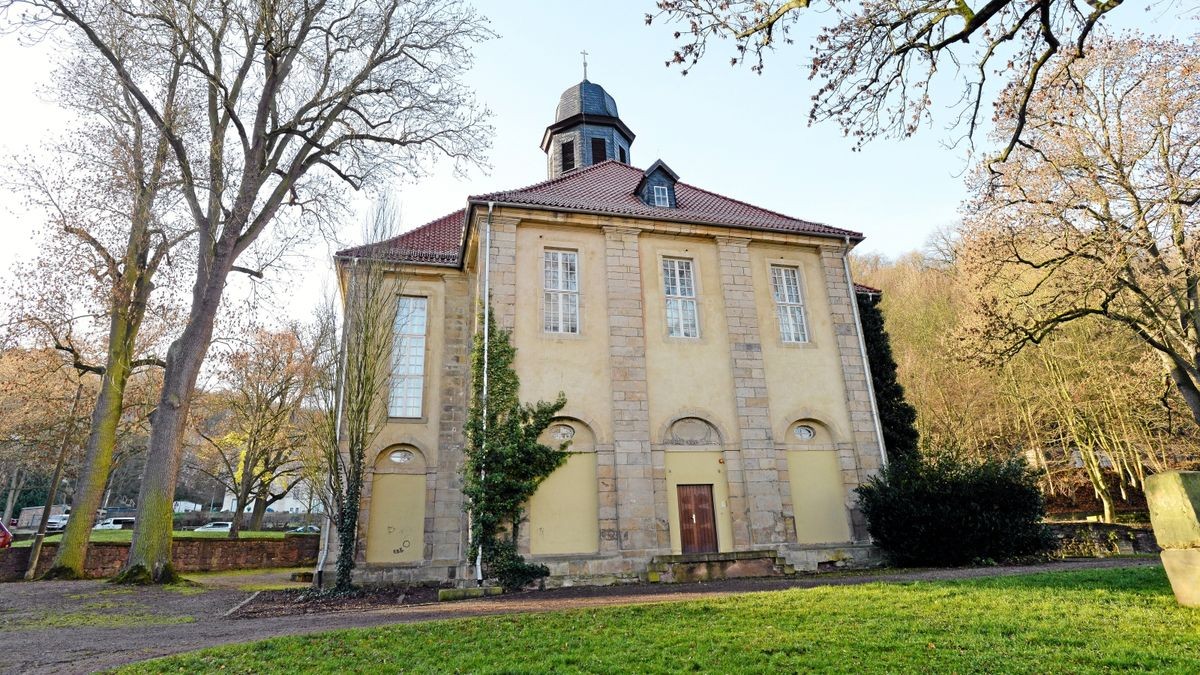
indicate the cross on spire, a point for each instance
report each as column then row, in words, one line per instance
column 585, row 55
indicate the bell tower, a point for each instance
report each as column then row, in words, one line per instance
column 586, row 130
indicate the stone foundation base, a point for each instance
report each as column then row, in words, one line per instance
column 829, row 557
column 436, row 573
column 625, row 568
column 1183, row 570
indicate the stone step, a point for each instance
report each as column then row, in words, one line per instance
column 713, row 566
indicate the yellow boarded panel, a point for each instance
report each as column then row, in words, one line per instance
column 396, row 533
column 818, row 497
column 564, row 514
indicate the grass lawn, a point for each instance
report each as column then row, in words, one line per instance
column 126, row 535
column 1089, row 621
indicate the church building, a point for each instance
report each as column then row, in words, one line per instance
column 719, row 405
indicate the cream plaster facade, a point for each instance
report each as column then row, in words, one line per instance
column 648, row 412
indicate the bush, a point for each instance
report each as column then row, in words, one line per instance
column 945, row 511
column 509, row 567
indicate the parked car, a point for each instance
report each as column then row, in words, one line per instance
column 6, row 537
column 215, row 527
column 57, row 523
column 306, row 529
column 124, row 523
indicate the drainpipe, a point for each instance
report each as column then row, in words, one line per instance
column 862, row 348
column 487, row 306
column 337, row 437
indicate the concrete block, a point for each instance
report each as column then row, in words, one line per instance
column 1174, row 501
column 1183, row 570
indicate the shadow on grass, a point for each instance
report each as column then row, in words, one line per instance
column 1150, row 580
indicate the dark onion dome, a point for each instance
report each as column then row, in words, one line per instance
column 587, row 98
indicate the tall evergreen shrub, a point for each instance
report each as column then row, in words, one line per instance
column 896, row 415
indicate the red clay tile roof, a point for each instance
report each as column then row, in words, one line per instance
column 866, row 290
column 606, row 188
column 436, row 243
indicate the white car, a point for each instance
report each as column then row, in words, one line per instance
column 115, row 524
column 215, row 527
column 57, row 523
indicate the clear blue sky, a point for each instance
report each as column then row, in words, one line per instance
column 721, row 128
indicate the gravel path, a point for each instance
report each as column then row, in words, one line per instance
column 83, row 626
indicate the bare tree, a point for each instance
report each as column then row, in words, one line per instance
column 256, row 452
column 109, row 200
column 287, row 103
column 1098, row 218
column 36, row 392
column 876, row 59
column 354, row 368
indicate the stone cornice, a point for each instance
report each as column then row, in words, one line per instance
column 586, row 220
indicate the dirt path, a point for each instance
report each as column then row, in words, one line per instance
column 83, row 626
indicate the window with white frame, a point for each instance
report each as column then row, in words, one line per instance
column 408, row 357
column 679, row 286
column 560, row 299
column 789, row 303
column 661, row 197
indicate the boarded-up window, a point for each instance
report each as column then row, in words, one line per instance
column 568, row 155
column 599, row 150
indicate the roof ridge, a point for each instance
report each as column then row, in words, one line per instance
column 553, row 181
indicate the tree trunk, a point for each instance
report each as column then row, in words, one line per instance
column 260, row 509
column 241, row 499
column 347, row 527
column 14, row 488
column 1187, row 388
column 106, row 417
column 150, row 551
column 35, row 550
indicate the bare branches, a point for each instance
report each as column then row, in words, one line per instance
column 876, row 59
column 1083, row 218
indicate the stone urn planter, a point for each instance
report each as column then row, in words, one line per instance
column 1174, row 500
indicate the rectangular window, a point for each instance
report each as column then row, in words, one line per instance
column 408, row 358
column 599, row 150
column 661, row 198
column 622, row 151
column 568, row 155
column 789, row 303
column 560, row 275
column 679, row 287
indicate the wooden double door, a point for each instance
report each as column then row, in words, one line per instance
column 697, row 519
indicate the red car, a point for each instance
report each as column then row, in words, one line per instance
column 5, row 537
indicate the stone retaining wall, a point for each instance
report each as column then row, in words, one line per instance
column 104, row 559
column 1100, row 540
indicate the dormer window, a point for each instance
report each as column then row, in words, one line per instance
column 662, row 198
column 657, row 186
